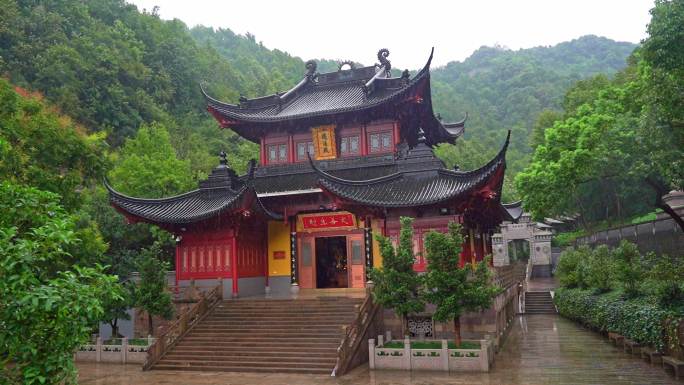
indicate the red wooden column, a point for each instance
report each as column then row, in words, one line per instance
column 395, row 133
column 262, row 151
column 364, row 141
column 234, row 270
column 290, row 149
column 178, row 262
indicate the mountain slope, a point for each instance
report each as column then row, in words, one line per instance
column 502, row 89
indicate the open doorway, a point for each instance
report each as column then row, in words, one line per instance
column 331, row 262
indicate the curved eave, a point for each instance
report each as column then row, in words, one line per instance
column 234, row 115
column 513, row 211
column 454, row 130
column 443, row 186
column 186, row 208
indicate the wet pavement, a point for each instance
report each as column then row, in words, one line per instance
column 540, row 349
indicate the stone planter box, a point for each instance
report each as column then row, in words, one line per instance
column 120, row 354
column 443, row 359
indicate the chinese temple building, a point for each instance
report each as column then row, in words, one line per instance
column 343, row 155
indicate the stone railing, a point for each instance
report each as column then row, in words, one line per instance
column 367, row 323
column 506, row 276
column 117, row 350
column 181, row 326
column 439, row 358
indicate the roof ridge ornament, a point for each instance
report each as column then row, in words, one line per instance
column 421, row 135
column 346, row 62
column 383, row 53
column 223, row 160
column 405, row 76
column 311, row 66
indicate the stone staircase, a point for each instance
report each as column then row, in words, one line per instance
column 539, row 302
column 266, row 335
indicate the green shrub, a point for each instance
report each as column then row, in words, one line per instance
column 600, row 269
column 666, row 280
column 573, row 267
column 630, row 268
column 567, row 238
column 637, row 319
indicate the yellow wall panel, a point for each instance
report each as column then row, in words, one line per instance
column 376, row 226
column 278, row 242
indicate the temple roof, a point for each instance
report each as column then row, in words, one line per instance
column 318, row 97
column 420, row 180
column 223, row 192
column 513, row 210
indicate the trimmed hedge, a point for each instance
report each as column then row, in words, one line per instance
column 637, row 319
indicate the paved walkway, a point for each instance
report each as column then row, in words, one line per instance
column 541, row 349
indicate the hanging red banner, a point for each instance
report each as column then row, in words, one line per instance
column 327, row 221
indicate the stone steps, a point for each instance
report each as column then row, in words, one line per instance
column 283, row 336
column 539, row 302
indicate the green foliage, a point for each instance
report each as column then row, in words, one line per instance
column 615, row 134
column 42, row 148
column 665, row 280
column 571, row 269
column 116, row 307
column 637, row 319
column 566, row 238
column 659, row 278
column 503, row 89
column 148, row 166
column 600, row 269
column 453, row 289
column 547, row 118
column 151, row 294
column 397, row 285
column 46, row 312
column 630, row 268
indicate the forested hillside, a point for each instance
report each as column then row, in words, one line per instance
column 502, row 89
column 618, row 145
column 112, row 68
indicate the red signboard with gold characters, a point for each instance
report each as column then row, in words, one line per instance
column 324, row 142
column 327, row 221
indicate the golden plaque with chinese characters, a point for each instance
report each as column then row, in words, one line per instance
column 338, row 220
column 324, row 142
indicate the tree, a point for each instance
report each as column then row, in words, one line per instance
column 151, row 294
column 630, row 269
column 453, row 289
column 148, row 166
column 665, row 278
column 621, row 140
column 397, row 285
column 545, row 120
column 46, row 311
column 600, row 269
column 116, row 308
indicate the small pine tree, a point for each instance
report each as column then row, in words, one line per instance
column 452, row 289
column 397, row 285
column 151, row 294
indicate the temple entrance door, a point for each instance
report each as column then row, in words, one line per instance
column 306, row 262
column 355, row 252
column 331, row 262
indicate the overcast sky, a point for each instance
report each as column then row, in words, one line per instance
column 355, row 30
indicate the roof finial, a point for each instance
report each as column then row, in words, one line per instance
column 310, row 68
column 382, row 57
column 348, row 63
column 405, row 76
column 421, row 136
column 222, row 158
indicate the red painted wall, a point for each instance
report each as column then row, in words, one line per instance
column 251, row 253
column 208, row 254
column 204, row 255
